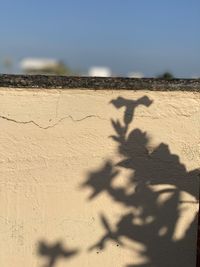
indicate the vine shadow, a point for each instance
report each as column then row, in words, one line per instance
column 150, row 222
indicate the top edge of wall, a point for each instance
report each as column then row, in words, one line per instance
column 97, row 83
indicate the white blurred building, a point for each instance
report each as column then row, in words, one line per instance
column 99, row 72
column 135, row 75
column 39, row 65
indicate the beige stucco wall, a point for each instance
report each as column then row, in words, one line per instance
column 54, row 141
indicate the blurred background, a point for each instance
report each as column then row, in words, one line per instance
column 131, row 38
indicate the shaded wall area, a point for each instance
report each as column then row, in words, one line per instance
column 92, row 178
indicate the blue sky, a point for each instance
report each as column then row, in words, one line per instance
column 150, row 36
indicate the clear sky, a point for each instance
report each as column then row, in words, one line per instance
column 150, row 36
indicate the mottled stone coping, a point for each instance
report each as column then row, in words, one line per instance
column 97, row 83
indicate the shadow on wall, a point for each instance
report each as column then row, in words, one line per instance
column 148, row 221
column 54, row 252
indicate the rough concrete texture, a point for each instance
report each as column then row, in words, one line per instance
column 98, row 83
column 78, row 189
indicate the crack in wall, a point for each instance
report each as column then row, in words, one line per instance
column 53, row 125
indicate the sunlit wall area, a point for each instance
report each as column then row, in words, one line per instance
column 98, row 177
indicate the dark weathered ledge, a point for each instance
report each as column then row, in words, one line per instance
column 97, row 83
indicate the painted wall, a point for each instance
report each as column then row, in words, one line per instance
column 98, row 178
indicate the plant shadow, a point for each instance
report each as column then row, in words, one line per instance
column 154, row 174
column 54, row 252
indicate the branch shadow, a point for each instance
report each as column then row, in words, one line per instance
column 155, row 222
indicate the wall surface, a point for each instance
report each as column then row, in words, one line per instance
column 98, row 178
